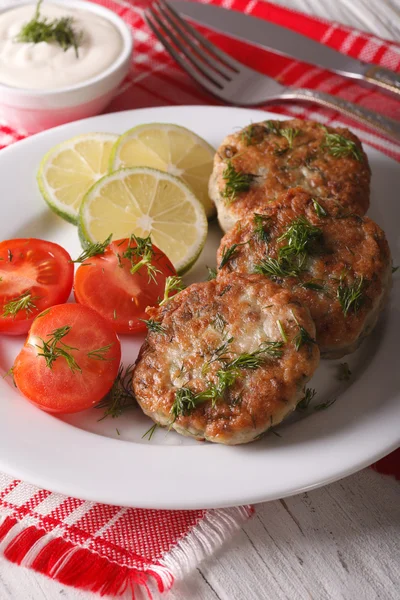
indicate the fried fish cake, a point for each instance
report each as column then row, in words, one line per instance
column 214, row 365
column 338, row 266
column 252, row 167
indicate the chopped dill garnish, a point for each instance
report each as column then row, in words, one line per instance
column 325, row 405
column 298, row 235
column 172, row 284
column 219, row 323
column 351, row 296
column 303, row 337
column 281, row 330
column 154, row 326
column 229, row 253
column 340, row 146
column 220, row 354
column 273, row 268
column 236, row 182
column 212, row 273
column 260, row 221
column 141, row 255
column 309, row 394
column 120, row 398
column 253, row 134
column 289, row 133
column 40, row 29
column 273, row 127
column 23, row 302
column 117, row 430
column 100, row 353
column 93, row 249
column 54, row 348
column 394, row 269
column 150, row 432
column 313, row 285
column 320, row 210
column 344, row 372
column 186, row 400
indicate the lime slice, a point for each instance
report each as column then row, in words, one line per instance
column 69, row 169
column 172, row 149
column 146, row 202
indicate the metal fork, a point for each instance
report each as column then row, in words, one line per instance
column 235, row 83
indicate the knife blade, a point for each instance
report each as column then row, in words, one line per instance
column 287, row 42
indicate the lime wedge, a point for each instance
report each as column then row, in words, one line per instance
column 69, row 169
column 146, row 202
column 172, row 149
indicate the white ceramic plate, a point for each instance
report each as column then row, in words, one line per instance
column 79, row 456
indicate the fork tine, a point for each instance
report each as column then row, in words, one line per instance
column 200, row 66
column 176, row 24
column 185, row 64
column 219, row 54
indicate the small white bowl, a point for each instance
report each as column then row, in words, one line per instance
column 31, row 111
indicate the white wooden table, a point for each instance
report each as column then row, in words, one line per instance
column 341, row 542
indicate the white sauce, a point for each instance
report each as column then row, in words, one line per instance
column 47, row 66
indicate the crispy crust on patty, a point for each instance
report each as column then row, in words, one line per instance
column 306, row 157
column 351, row 250
column 187, row 353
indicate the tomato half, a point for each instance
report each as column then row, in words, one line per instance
column 106, row 284
column 34, row 274
column 82, row 356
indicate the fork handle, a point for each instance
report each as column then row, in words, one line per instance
column 383, row 125
column 383, row 78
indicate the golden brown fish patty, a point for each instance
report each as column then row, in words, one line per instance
column 218, row 368
column 337, row 266
column 265, row 159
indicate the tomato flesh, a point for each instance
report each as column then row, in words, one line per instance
column 59, row 388
column 39, row 271
column 106, row 284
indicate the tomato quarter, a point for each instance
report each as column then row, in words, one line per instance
column 69, row 361
column 34, row 274
column 118, row 287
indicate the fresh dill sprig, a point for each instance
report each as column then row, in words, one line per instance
column 302, row 337
column 219, row 323
column 351, row 296
column 150, row 432
column 141, row 255
column 320, row 210
column 219, row 354
column 212, row 273
column 299, row 236
column 253, row 134
column 274, row 268
column 100, row 353
column 273, row 127
column 24, row 302
column 186, row 400
column 235, row 182
column 260, row 221
column 40, row 29
column 172, row 284
column 325, row 405
column 154, row 326
column 313, row 285
column 344, row 372
column 309, row 394
column 121, row 397
column 93, row 249
column 290, row 134
column 54, row 348
column 282, row 331
column 340, row 146
column 229, row 253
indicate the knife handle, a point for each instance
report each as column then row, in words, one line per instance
column 383, row 125
column 383, row 78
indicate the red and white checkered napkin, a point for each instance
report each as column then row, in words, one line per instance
column 107, row 548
